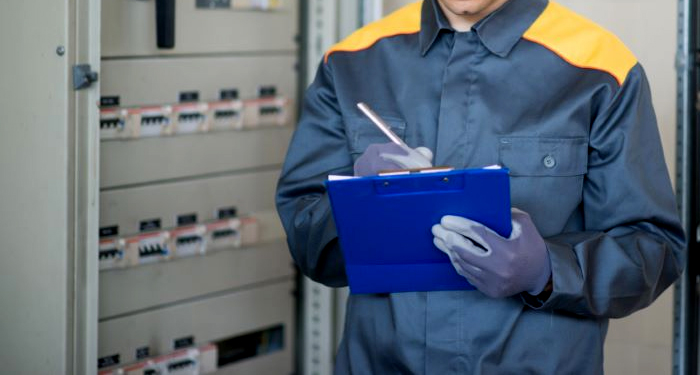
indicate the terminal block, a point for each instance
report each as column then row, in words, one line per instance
column 226, row 115
column 152, row 121
column 111, row 253
column 190, row 240
column 147, row 367
column 265, row 111
column 140, row 368
column 224, row 234
column 208, row 356
column 113, row 124
column 148, row 248
column 182, row 362
column 250, row 231
column 258, row 4
column 185, row 366
column 195, row 361
column 191, row 118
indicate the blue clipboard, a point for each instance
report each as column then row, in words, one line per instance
column 384, row 225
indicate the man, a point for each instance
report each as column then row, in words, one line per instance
column 531, row 86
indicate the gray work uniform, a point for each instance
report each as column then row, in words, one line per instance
column 586, row 163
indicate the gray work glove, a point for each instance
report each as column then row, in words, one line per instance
column 499, row 267
column 390, row 156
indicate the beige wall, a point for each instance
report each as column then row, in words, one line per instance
column 642, row 343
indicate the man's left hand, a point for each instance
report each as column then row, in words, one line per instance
column 497, row 266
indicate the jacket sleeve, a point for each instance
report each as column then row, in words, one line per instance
column 318, row 148
column 633, row 246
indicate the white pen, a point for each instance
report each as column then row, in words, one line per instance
column 383, row 126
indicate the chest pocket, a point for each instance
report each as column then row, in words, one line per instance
column 547, row 176
column 534, row 156
column 361, row 132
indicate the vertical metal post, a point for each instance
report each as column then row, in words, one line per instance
column 686, row 293
column 371, row 10
column 84, row 173
column 323, row 309
column 317, row 340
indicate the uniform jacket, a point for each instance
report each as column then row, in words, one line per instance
column 533, row 87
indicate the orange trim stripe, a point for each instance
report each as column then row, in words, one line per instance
column 580, row 42
column 406, row 20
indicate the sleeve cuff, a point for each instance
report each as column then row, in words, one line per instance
column 330, row 265
column 565, row 283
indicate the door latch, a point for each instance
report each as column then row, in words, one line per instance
column 83, row 76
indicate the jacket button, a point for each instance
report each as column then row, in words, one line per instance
column 549, row 161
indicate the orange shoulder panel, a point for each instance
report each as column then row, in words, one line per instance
column 581, row 42
column 406, row 20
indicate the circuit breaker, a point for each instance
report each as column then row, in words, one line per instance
column 198, row 102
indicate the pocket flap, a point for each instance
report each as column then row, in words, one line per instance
column 537, row 156
column 362, row 132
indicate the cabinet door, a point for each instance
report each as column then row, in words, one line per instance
column 48, row 177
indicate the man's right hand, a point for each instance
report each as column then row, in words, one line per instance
column 390, row 156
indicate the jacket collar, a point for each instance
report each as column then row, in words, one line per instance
column 499, row 31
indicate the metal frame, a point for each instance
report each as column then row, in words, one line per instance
column 315, row 347
column 84, row 173
column 371, row 10
column 685, row 356
column 322, row 309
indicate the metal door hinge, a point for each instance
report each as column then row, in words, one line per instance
column 83, row 76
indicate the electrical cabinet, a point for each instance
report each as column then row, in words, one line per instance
column 195, row 276
column 141, row 148
column 246, row 26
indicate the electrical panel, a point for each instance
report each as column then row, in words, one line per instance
column 198, row 102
